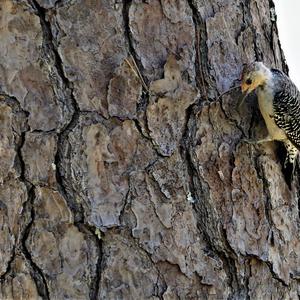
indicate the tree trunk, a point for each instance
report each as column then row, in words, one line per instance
column 124, row 174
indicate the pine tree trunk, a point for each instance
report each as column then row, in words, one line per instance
column 124, row 174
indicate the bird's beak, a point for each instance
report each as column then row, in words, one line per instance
column 245, row 93
column 244, row 88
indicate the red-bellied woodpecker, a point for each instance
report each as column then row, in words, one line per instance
column 279, row 104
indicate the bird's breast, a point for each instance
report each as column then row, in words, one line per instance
column 265, row 101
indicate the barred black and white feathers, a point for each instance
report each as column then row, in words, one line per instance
column 287, row 106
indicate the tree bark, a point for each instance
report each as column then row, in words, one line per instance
column 123, row 170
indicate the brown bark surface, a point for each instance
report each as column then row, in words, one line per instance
column 120, row 185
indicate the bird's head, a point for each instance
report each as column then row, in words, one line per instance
column 254, row 75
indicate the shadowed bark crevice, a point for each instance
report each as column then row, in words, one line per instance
column 127, row 32
column 67, row 88
column 185, row 143
column 249, row 22
column 203, row 79
column 96, row 236
column 141, row 122
column 37, row 274
column 50, row 49
column 9, row 263
column 51, row 53
column 20, row 165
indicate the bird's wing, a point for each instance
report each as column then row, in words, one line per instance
column 286, row 104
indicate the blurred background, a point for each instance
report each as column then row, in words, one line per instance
column 288, row 17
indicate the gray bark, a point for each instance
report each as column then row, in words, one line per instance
column 123, row 172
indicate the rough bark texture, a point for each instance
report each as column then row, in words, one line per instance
column 115, row 188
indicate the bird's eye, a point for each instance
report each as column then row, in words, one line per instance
column 248, row 81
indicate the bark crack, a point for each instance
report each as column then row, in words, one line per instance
column 185, row 154
column 15, row 105
column 50, row 49
column 49, row 45
column 9, row 263
column 37, row 273
column 92, row 231
column 197, row 192
column 158, row 293
column 97, row 279
column 126, row 7
column 77, row 210
column 203, row 80
column 144, row 100
column 227, row 258
column 257, row 52
column 247, row 280
column 19, row 153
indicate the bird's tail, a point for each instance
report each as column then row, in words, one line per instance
column 291, row 156
column 290, row 160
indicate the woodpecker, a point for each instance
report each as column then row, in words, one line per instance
column 279, row 104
